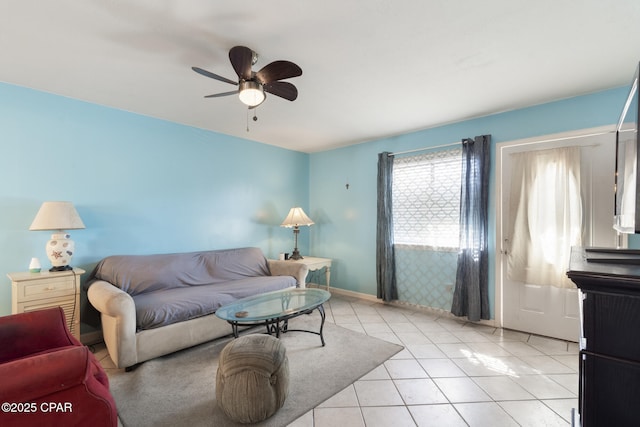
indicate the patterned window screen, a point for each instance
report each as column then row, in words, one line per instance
column 426, row 199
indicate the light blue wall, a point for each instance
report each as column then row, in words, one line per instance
column 144, row 185
column 346, row 219
column 141, row 185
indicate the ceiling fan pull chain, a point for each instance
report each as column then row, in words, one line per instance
column 247, row 120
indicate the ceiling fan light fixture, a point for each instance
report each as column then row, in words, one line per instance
column 251, row 93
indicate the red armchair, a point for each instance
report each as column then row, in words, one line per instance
column 47, row 377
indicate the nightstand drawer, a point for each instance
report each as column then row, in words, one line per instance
column 37, row 291
column 52, row 287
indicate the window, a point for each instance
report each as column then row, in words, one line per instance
column 426, row 199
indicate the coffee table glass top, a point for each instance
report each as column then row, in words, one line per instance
column 272, row 305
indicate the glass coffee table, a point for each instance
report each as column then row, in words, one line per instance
column 274, row 309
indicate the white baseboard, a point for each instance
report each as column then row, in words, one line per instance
column 353, row 294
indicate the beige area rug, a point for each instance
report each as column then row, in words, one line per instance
column 179, row 389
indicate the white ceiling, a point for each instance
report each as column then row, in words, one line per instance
column 371, row 68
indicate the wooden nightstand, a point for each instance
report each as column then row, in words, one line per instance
column 36, row 291
column 316, row 264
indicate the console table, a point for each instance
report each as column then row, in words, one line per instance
column 314, row 264
column 609, row 283
column 36, row 291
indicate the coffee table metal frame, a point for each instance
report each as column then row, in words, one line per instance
column 238, row 313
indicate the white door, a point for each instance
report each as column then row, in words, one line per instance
column 541, row 309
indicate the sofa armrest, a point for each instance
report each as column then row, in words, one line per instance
column 43, row 374
column 66, row 377
column 32, row 332
column 118, row 316
column 287, row 268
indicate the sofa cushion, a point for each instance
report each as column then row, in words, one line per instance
column 164, row 307
column 138, row 274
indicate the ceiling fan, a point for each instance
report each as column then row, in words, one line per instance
column 252, row 85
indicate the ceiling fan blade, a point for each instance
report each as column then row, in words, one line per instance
column 241, row 58
column 213, row 76
column 217, row 95
column 282, row 89
column 278, row 70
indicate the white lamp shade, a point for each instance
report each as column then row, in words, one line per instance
column 296, row 218
column 57, row 216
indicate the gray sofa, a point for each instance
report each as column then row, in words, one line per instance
column 152, row 305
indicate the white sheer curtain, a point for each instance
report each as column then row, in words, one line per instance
column 627, row 185
column 546, row 215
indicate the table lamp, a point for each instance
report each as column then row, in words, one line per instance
column 295, row 219
column 58, row 216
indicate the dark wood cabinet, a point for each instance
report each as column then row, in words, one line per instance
column 609, row 281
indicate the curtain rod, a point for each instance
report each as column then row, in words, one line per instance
column 425, row 148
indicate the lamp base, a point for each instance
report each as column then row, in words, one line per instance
column 61, row 268
column 295, row 255
column 60, row 251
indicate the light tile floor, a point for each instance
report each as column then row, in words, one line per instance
column 451, row 373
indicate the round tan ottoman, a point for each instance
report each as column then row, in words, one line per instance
column 252, row 381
